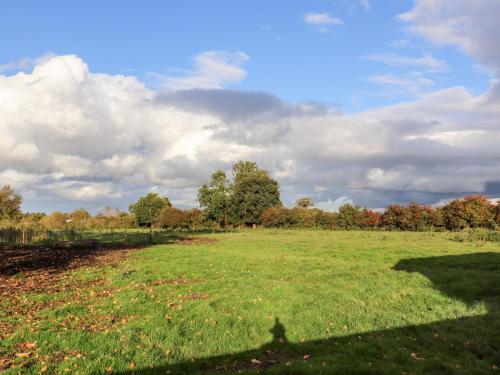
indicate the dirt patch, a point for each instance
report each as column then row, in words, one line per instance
column 52, row 274
column 196, row 241
column 16, row 260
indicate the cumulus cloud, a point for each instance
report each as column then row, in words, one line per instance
column 78, row 137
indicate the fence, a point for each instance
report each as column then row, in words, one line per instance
column 15, row 236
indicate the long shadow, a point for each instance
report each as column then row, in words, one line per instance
column 468, row 345
column 56, row 258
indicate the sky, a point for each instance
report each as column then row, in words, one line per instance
column 362, row 101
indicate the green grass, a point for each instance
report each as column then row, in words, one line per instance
column 355, row 302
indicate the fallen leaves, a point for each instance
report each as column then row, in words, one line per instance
column 23, row 355
column 5, row 364
column 416, row 357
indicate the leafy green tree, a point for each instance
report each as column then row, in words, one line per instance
column 214, row 199
column 349, row 216
column 305, row 202
column 10, row 204
column 252, row 192
column 147, row 208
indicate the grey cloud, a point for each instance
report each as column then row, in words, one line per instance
column 102, row 140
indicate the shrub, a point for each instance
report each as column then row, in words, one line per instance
column 326, row 220
column 175, row 218
column 473, row 211
column 370, row 219
column 302, row 217
column 276, row 217
column 496, row 212
column 349, row 216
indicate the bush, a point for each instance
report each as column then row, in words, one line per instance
column 370, row 219
column 473, row 211
column 326, row 220
column 276, row 217
column 175, row 218
column 349, row 217
column 302, row 217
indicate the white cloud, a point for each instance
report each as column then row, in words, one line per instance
column 471, row 25
column 212, row 69
column 323, row 22
column 425, row 61
column 72, row 135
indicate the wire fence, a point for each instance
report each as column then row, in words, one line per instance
column 69, row 237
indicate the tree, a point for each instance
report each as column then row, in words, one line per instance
column 175, row 218
column 147, row 208
column 497, row 213
column 252, row 192
column 214, row 198
column 10, row 204
column 305, row 202
column 56, row 220
column 326, row 220
column 473, row 211
column 370, row 219
column 276, row 217
column 392, row 217
column 349, row 216
column 79, row 219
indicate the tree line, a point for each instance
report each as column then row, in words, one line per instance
column 250, row 196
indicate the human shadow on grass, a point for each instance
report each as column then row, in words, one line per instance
column 467, row 345
column 59, row 258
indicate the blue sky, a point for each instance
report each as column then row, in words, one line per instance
column 287, row 56
column 365, row 101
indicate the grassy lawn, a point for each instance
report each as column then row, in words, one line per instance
column 282, row 301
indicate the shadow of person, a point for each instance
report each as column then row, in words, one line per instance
column 465, row 345
column 279, row 333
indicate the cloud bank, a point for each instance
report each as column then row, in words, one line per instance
column 72, row 137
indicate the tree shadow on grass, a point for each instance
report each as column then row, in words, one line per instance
column 58, row 258
column 458, row 346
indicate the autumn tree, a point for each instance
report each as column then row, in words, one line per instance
column 370, row 219
column 349, row 216
column 147, row 208
column 473, row 211
column 56, row 220
column 79, row 219
column 175, row 218
column 304, row 202
column 10, row 204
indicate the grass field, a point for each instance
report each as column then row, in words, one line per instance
column 283, row 301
